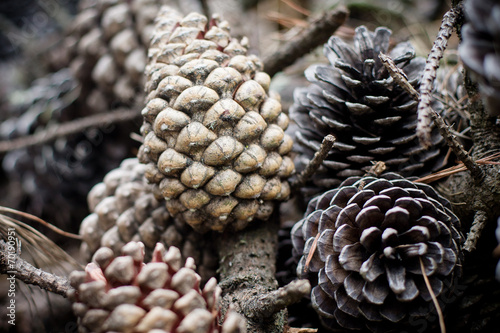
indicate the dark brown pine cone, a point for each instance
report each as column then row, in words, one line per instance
column 124, row 208
column 373, row 236
column 57, row 174
column 214, row 136
column 121, row 293
column 479, row 49
column 372, row 118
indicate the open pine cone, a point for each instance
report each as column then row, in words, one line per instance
column 214, row 136
column 479, row 49
column 124, row 294
column 124, row 208
column 372, row 118
column 373, row 236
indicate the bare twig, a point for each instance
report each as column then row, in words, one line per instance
column 443, row 128
column 277, row 300
column 316, row 161
column 16, row 267
column 398, row 75
column 480, row 220
column 316, row 34
column 433, row 296
column 432, row 63
column 72, row 127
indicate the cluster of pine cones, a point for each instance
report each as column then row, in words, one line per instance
column 216, row 155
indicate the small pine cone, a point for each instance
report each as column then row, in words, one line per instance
column 214, row 136
column 373, row 119
column 124, row 294
column 363, row 245
column 124, row 208
column 479, row 49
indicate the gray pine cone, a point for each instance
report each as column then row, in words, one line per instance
column 124, row 294
column 124, row 208
column 106, row 49
column 373, row 119
column 214, row 136
column 373, row 235
column 479, row 49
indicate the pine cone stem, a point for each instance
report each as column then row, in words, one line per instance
column 315, row 163
column 247, row 268
column 316, row 34
column 27, row 273
column 437, row 51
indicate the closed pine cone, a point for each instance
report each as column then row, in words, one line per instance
column 372, row 118
column 106, row 50
column 373, row 235
column 121, row 293
column 124, row 208
column 214, row 136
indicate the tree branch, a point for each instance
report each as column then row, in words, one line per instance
column 480, row 220
column 431, row 66
column 247, row 277
column 444, row 129
column 316, row 34
column 14, row 266
column 56, row 131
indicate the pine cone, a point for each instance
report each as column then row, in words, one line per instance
column 372, row 118
column 106, row 50
column 124, row 294
column 479, row 49
column 213, row 133
column 373, row 236
column 124, row 208
column 497, row 250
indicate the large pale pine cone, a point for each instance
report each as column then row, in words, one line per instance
column 214, row 136
column 373, row 236
column 119, row 292
column 124, row 208
column 479, row 49
column 372, row 118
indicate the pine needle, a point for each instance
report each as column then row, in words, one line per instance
column 311, row 252
column 43, row 251
column 433, row 296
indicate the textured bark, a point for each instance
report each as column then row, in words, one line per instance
column 247, row 270
column 29, row 274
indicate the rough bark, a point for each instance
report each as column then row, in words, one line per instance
column 247, row 270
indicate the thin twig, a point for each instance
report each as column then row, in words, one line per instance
column 72, row 127
column 480, row 220
column 16, row 267
column 39, row 220
column 278, row 300
column 316, row 34
column 433, row 296
column 443, row 128
column 316, row 161
column 431, row 66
